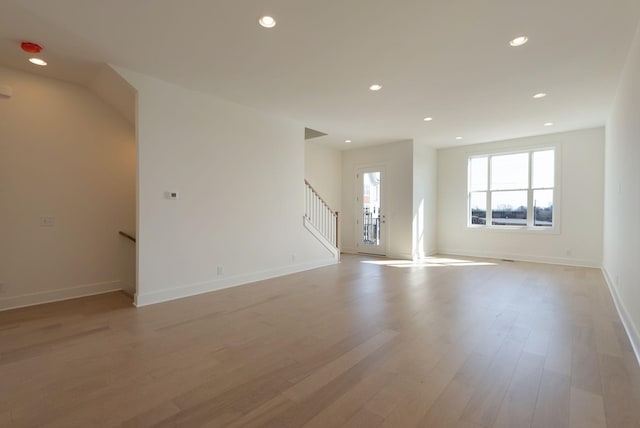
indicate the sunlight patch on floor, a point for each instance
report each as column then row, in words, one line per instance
column 428, row 262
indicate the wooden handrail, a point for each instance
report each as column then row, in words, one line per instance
column 320, row 197
column 126, row 235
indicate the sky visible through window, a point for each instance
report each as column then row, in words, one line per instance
column 510, row 171
column 505, row 184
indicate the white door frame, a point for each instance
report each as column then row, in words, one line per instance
column 361, row 247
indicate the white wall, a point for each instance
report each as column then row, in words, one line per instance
column 240, row 178
column 425, row 191
column 109, row 86
column 622, row 196
column 397, row 159
column 323, row 169
column 579, row 241
column 64, row 153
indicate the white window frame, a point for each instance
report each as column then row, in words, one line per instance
column 529, row 227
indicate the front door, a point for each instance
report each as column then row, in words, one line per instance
column 370, row 214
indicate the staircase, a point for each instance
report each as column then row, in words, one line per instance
column 321, row 220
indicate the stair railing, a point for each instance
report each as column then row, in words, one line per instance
column 126, row 235
column 320, row 215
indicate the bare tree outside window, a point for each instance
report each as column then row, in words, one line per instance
column 517, row 187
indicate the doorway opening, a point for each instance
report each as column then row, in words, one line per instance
column 370, row 218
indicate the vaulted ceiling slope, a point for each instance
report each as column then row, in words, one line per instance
column 445, row 59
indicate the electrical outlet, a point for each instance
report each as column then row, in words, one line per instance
column 219, row 270
column 47, row 221
column 293, row 258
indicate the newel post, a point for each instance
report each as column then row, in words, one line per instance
column 337, row 245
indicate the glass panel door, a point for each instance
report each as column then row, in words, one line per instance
column 371, row 221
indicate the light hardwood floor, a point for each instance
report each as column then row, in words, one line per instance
column 452, row 342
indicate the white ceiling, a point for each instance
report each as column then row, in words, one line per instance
column 449, row 59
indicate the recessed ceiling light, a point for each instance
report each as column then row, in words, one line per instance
column 375, row 87
column 548, row 124
column 347, row 141
column 540, row 95
column 37, row 61
column 519, row 41
column 267, row 21
column 428, row 119
column 458, row 138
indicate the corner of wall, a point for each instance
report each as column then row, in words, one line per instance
column 32, row 299
column 77, row 170
column 632, row 330
column 621, row 246
column 112, row 88
column 189, row 290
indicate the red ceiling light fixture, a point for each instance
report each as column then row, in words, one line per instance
column 31, row 47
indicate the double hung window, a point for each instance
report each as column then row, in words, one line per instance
column 514, row 190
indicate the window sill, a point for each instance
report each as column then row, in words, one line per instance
column 516, row 229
